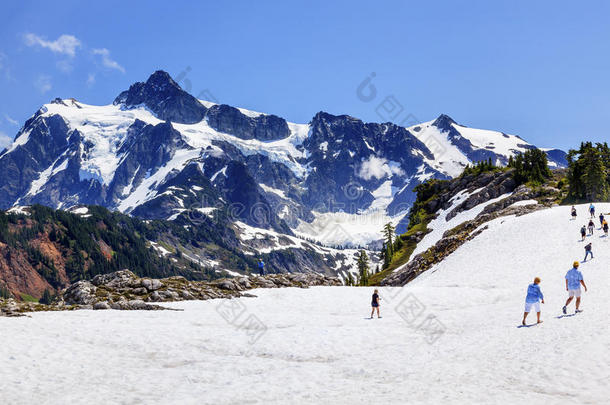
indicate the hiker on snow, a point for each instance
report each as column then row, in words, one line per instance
column 601, row 219
column 573, row 212
column 605, row 227
column 591, row 227
column 375, row 303
column 592, row 210
column 583, row 232
column 532, row 299
column 573, row 281
column 261, row 267
column 588, row 251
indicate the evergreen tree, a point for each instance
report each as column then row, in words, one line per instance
column 46, row 297
column 388, row 233
column 363, row 268
column 588, row 172
column 531, row 166
column 4, row 292
column 384, row 255
column 349, row 281
column 594, row 175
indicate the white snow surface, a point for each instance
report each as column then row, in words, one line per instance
column 317, row 346
column 440, row 225
column 270, row 189
column 450, row 160
column 18, row 210
column 524, row 203
column 342, row 228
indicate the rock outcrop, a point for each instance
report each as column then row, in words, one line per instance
column 123, row 290
column 498, row 184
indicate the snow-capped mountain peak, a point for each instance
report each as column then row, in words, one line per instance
column 280, row 175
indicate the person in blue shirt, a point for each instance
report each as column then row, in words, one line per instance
column 533, row 299
column 574, row 280
column 592, row 210
column 261, row 267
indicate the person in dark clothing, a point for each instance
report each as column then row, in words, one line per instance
column 601, row 219
column 375, row 303
column 573, row 212
column 261, row 267
column 588, row 251
column 583, row 232
column 591, row 227
column 605, row 227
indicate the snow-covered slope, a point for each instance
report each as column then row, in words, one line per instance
column 455, row 146
column 316, row 345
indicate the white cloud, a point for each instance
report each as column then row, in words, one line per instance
column 65, row 66
column 379, row 168
column 106, row 61
column 43, row 83
column 5, row 140
column 65, row 44
column 10, row 120
column 90, row 79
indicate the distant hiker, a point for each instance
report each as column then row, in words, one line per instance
column 573, row 212
column 532, row 299
column 601, row 219
column 591, row 227
column 588, row 251
column 583, row 232
column 592, row 210
column 573, row 281
column 605, row 227
column 261, row 267
column 375, row 303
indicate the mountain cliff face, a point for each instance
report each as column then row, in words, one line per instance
column 159, row 153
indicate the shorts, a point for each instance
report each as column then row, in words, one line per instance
column 529, row 305
column 374, row 305
column 574, row 293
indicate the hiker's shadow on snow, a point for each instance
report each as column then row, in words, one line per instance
column 565, row 316
column 528, row 326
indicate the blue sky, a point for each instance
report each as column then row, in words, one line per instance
column 535, row 69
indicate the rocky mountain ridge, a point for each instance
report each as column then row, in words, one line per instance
column 270, row 173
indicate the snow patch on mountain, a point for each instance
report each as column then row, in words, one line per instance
column 102, row 127
column 440, row 224
column 275, row 191
column 352, row 230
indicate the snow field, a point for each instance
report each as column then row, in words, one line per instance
column 315, row 345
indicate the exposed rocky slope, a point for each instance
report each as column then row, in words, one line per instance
column 45, row 249
column 481, row 189
column 123, row 290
